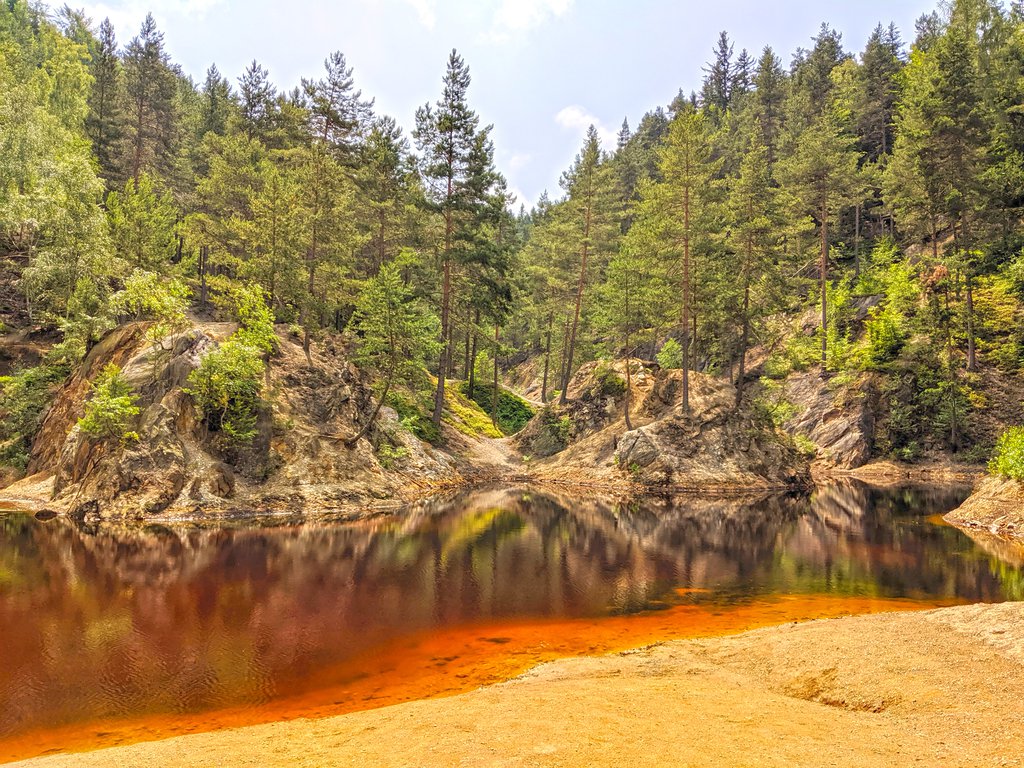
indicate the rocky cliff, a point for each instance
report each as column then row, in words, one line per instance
column 297, row 461
column 716, row 446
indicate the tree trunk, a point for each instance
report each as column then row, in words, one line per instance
column 446, row 290
column 686, row 301
column 547, row 361
column 972, row 361
column 823, row 268
column 204, row 256
column 351, row 441
column 310, row 286
column 472, row 357
column 565, row 348
column 494, row 395
column 741, row 375
column 579, row 303
column 856, row 243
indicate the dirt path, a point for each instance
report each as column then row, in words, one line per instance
column 943, row 687
column 489, row 459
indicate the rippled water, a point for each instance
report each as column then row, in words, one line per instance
column 109, row 625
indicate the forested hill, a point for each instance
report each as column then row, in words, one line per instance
column 854, row 213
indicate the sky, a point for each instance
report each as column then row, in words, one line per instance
column 543, row 70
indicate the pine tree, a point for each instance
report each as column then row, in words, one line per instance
column 820, row 172
column 104, row 122
column 874, row 108
column 677, row 212
column 396, row 335
column 150, row 91
column 755, row 219
column 385, row 179
column 716, row 93
column 337, row 113
column 217, row 105
column 591, row 210
column 142, row 224
column 446, row 136
column 257, row 102
column 769, row 100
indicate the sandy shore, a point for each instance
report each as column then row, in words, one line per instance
column 941, row 687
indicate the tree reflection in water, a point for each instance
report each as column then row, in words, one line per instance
column 123, row 622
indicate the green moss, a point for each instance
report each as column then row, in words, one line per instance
column 414, row 416
column 513, row 412
column 467, row 417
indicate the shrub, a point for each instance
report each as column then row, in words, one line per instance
column 24, row 396
column 148, row 295
column 1008, row 458
column 111, row 408
column 886, row 336
column 670, row 356
column 607, row 381
column 226, row 388
column 389, row 455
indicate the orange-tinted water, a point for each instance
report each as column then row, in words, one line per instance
column 453, row 661
column 112, row 636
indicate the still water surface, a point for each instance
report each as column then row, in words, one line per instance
column 113, row 635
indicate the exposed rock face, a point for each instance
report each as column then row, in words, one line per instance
column 996, row 507
column 838, row 421
column 714, row 445
column 595, row 400
column 297, row 461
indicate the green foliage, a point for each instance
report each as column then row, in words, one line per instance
column 1008, row 458
column 607, row 381
column 226, row 389
column 772, row 404
column 255, row 318
column 389, row 455
column 396, row 332
column 111, row 407
column 670, row 356
column 414, row 417
column 150, row 296
column 513, row 412
column 142, row 224
column 805, row 445
column 24, row 396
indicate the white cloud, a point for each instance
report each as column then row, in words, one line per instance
column 518, row 161
column 127, row 15
column 578, row 119
column 426, row 10
column 520, row 199
column 515, row 16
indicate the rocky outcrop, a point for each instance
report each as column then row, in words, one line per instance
column 996, row 508
column 714, row 446
column 838, row 420
column 298, row 460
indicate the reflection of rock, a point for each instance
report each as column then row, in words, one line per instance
column 225, row 614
